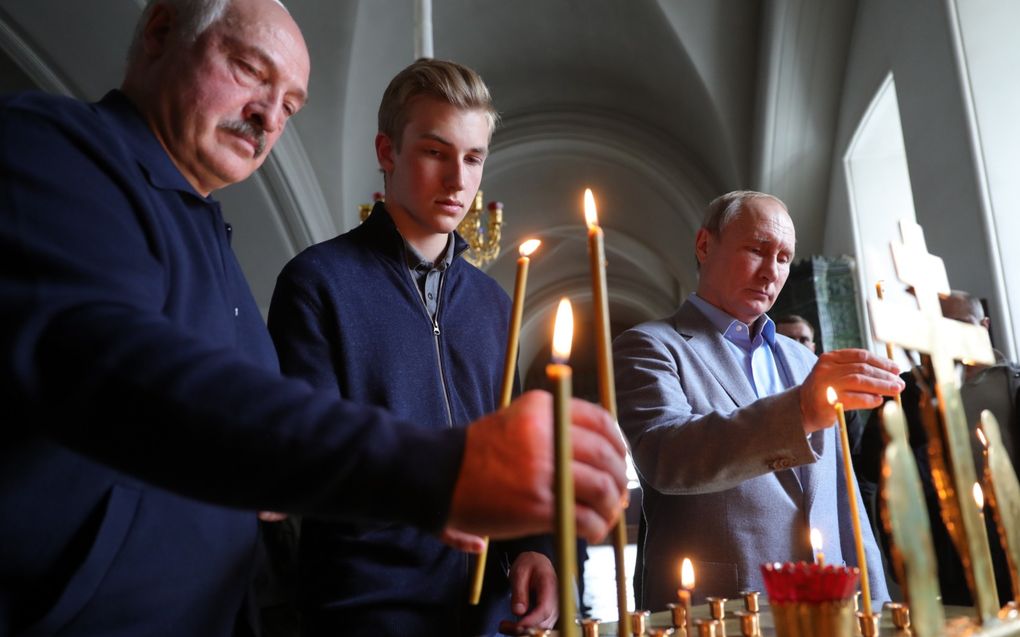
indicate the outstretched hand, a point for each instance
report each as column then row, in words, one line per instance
column 860, row 379
column 505, row 486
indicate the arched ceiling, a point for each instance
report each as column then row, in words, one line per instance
column 657, row 105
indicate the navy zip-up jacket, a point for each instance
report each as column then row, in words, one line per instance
column 348, row 317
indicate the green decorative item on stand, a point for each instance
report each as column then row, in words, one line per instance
column 824, row 291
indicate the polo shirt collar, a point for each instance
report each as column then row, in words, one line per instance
column 159, row 169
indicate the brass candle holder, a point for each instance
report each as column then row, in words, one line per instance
column 708, row 627
column 751, row 601
column 717, row 611
column 679, row 613
column 750, row 623
column 639, row 621
column 900, row 615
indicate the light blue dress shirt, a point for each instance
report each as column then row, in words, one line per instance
column 753, row 349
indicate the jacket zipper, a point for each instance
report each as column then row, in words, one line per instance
column 435, row 339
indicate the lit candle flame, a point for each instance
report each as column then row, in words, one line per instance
column 830, row 395
column 816, row 540
column 979, row 497
column 981, row 437
column 563, row 331
column 687, row 574
column 591, row 216
column 529, row 246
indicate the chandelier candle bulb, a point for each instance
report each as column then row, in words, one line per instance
column 851, row 496
column 559, row 374
column 527, row 248
column 604, row 358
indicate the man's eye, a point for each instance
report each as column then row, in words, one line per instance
column 247, row 68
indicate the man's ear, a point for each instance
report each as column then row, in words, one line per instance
column 384, row 152
column 701, row 245
column 156, row 32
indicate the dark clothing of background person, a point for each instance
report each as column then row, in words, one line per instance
column 138, row 375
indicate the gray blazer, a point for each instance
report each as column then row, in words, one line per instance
column 729, row 480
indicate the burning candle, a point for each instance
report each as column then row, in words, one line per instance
column 979, row 499
column 526, row 249
column 682, row 613
column 604, row 358
column 851, row 495
column 816, row 546
column 559, row 373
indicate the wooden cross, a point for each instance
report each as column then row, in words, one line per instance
column 945, row 341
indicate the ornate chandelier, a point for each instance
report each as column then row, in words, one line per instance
column 482, row 239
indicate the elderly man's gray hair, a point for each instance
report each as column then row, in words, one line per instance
column 195, row 16
column 724, row 208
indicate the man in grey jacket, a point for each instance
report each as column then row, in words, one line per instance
column 729, row 425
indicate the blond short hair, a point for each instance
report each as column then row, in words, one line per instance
column 444, row 80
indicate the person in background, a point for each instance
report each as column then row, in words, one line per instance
column 797, row 328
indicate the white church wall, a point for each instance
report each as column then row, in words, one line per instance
column 991, row 54
column 913, row 40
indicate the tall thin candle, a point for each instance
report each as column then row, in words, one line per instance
column 880, row 291
column 604, row 359
column 559, row 373
column 851, row 495
column 526, row 249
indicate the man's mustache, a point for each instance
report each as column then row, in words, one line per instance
column 248, row 130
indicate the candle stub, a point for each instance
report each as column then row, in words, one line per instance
column 751, row 601
column 639, row 621
column 717, row 607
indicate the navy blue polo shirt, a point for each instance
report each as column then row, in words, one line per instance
column 145, row 417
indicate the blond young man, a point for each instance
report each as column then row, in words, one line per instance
column 388, row 314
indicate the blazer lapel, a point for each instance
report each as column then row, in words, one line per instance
column 808, row 473
column 710, row 346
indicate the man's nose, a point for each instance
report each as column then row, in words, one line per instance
column 769, row 269
column 455, row 175
column 268, row 114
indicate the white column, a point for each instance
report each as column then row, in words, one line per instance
column 422, row 29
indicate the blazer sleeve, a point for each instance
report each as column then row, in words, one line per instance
column 680, row 443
